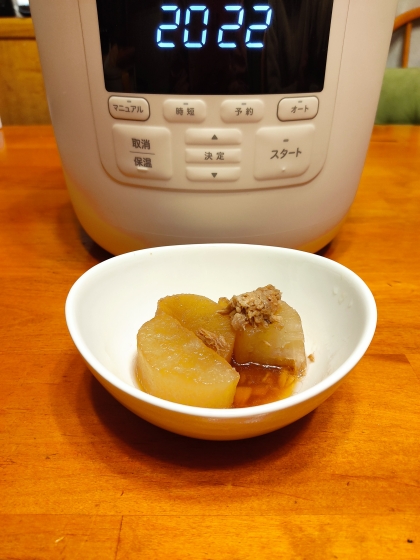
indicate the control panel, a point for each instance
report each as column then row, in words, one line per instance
column 210, row 142
column 213, row 155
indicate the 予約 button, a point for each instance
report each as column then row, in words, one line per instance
column 243, row 111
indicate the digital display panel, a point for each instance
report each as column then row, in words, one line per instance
column 217, row 47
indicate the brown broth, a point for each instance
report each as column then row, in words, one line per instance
column 259, row 384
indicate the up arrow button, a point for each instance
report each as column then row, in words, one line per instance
column 219, row 136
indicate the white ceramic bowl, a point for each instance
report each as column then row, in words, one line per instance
column 108, row 304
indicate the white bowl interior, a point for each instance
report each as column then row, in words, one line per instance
column 110, row 302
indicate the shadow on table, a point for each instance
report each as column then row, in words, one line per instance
column 140, row 438
column 94, row 250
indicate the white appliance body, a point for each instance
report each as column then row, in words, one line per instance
column 178, row 131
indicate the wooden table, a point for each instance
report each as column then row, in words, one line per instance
column 22, row 93
column 83, row 478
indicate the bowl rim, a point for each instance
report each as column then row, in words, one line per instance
column 226, row 413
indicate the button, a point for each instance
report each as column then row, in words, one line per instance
column 283, row 151
column 213, row 174
column 184, row 110
column 209, row 155
column 251, row 110
column 211, row 136
column 297, row 108
column 129, row 108
column 143, row 151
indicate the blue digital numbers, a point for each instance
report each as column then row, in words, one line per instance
column 168, row 27
column 258, row 27
column 230, row 27
column 196, row 19
column 205, row 19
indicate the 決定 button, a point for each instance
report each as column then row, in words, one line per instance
column 208, row 155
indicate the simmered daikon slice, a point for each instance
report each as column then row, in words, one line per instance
column 280, row 343
column 174, row 364
column 200, row 315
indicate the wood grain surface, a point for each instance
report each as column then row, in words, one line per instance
column 83, row 478
column 22, row 94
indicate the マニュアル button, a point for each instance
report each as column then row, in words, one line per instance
column 129, row 108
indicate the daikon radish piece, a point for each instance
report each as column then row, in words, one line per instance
column 201, row 315
column 280, row 343
column 174, row 364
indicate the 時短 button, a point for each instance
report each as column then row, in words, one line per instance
column 143, row 151
column 129, row 108
column 243, row 111
column 184, row 110
column 211, row 155
column 297, row 108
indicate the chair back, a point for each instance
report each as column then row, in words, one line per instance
column 405, row 20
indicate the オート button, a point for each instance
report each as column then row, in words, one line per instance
column 297, row 108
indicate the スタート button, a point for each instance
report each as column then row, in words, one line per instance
column 283, row 151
